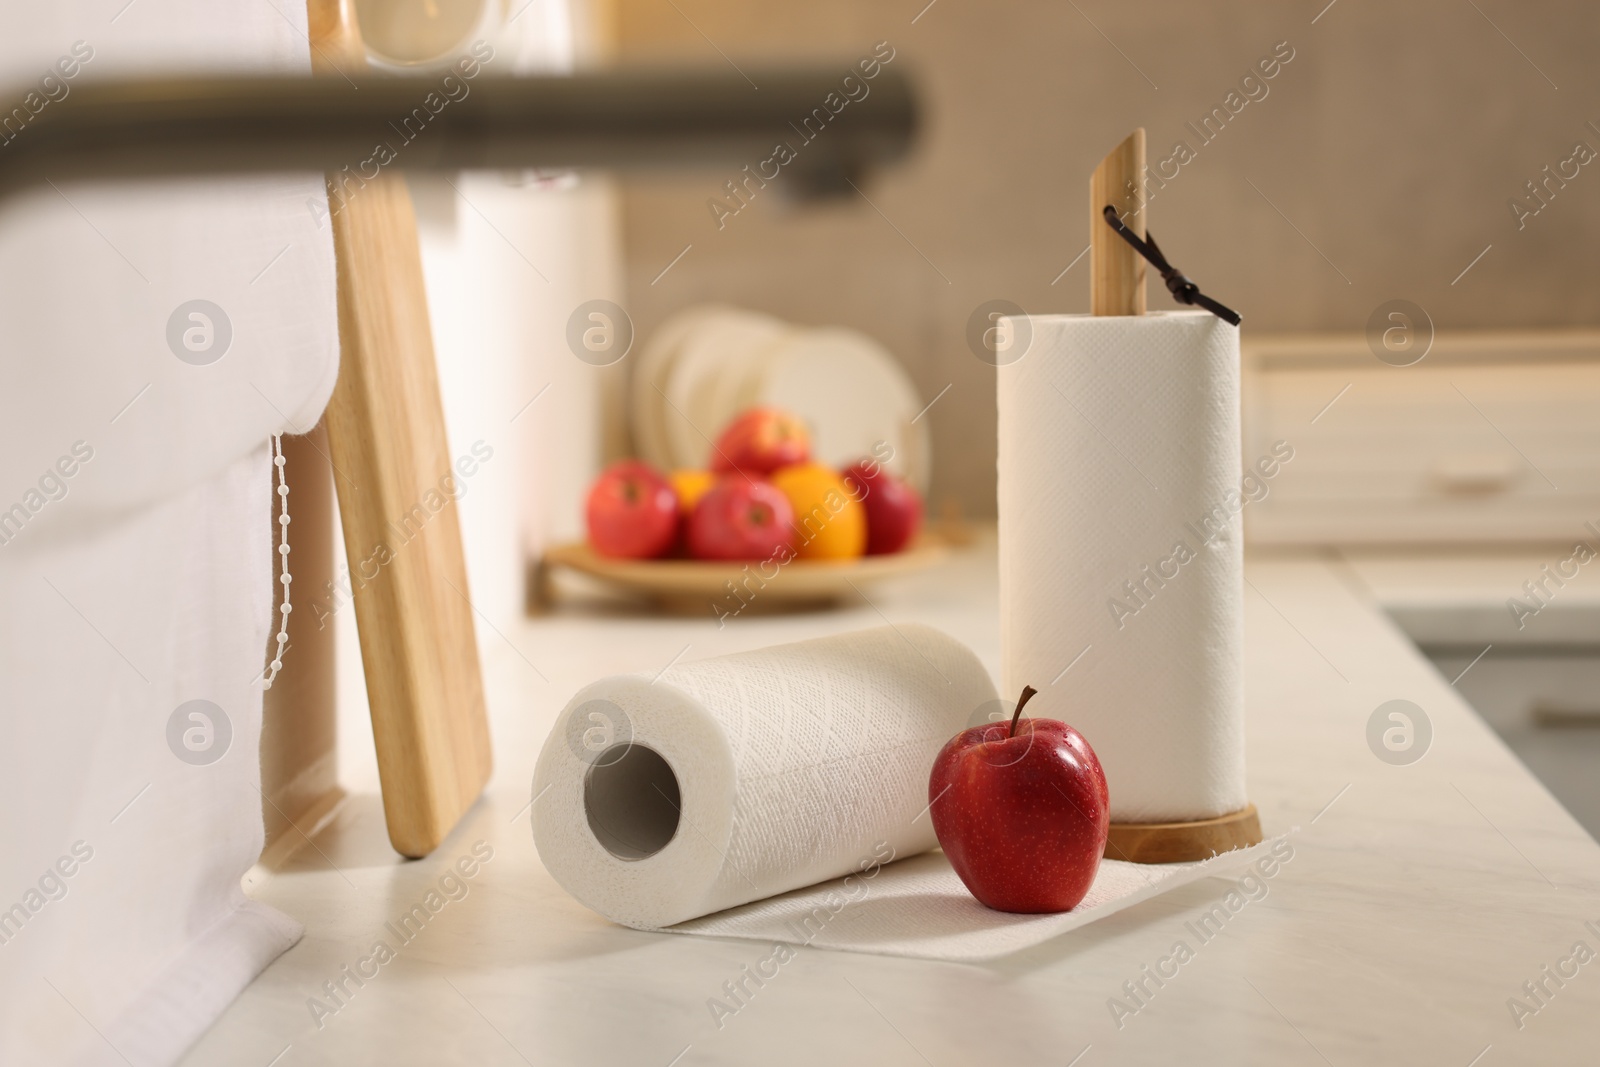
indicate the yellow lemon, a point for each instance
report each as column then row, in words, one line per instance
column 829, row 522
column 690, row 485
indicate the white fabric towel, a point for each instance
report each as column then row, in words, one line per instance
column 122, row 910
column 1121, row 550
column 134, row 552
column 100, row 280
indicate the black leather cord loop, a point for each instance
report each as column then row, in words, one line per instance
column 1182, row 289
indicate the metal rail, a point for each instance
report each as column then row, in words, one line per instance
column 625, row 120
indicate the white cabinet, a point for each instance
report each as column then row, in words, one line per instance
column 1490, row 438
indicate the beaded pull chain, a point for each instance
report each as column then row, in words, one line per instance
column 283, row 558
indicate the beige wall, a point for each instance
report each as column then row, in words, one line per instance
column 1392, row 140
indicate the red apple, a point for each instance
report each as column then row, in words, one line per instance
column 740, row 518
column 894, row 509
column 632, row 511
column 760, row 441
column 1021, row 810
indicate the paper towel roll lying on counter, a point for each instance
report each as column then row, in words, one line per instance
column 736, row 778
column 1121, row 551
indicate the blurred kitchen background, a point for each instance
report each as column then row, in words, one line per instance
column 1378, row 165
column 1383, row 160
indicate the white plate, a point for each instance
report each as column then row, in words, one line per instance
column 707, row 364
column 646, row 403
column 708, row 353
column 853, row 395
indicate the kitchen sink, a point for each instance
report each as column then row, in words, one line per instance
column 1534, row 677
column 1544, row 702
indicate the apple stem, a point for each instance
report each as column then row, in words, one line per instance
column 1027, row 694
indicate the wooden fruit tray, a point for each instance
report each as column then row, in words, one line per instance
column 690, row 586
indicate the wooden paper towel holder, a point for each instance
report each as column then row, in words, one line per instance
column 1180, row 842
column 1116, row 287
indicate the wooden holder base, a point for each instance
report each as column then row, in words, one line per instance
column 1181, row 842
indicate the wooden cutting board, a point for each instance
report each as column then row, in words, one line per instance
column 386, row 438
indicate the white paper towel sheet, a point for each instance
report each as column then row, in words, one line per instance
column 1121, row 558
column 788, row 765
column 919, row 908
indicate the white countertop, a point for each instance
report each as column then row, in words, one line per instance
column 1462, row 596
column 1419, row 898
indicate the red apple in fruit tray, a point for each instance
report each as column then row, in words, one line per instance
column 760, row 441
column 1021, row 810
column 632, row 511
column 740, row 518
column 894, row 509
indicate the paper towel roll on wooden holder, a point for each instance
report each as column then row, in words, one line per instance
column 1116, row 287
